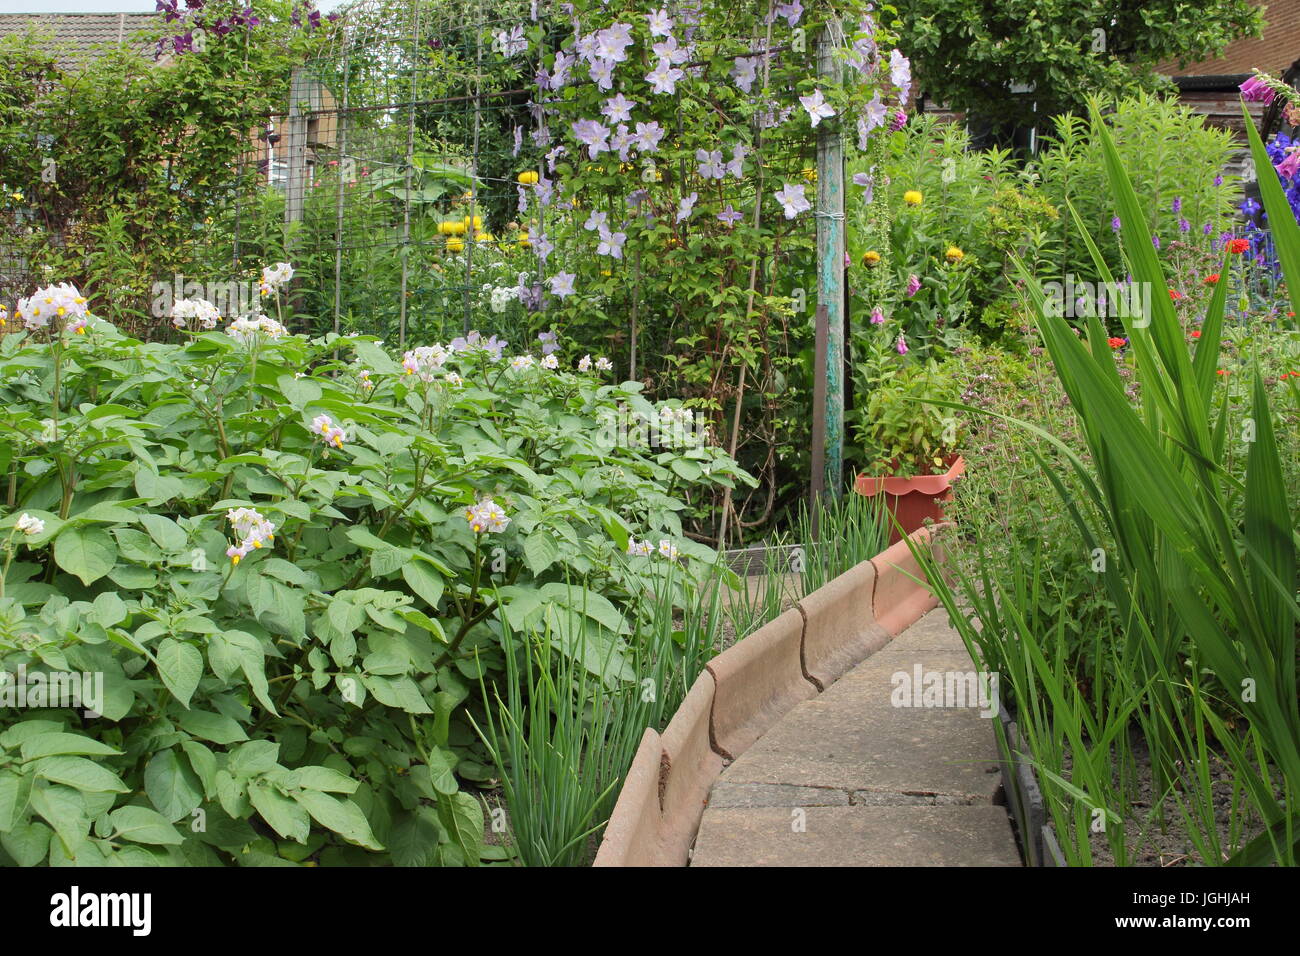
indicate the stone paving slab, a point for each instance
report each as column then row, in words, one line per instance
column 878, row 784
column 856, row 836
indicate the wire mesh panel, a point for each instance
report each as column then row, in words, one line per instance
column 375, row 164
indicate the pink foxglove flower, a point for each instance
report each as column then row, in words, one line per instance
column 913, row 285
column 902, row 345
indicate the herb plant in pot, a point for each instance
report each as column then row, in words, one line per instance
column 911, row 446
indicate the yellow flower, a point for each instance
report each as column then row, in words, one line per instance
column 455, row 244
column 606, row 272
column 484, row 237
column 954, row 254
column 451, row 228
column 810, row 174
column 912, row 197
column 475, row 221
column 528, row 177
column 525, row 241
column 871, row 258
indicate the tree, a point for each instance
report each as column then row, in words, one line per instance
column 971, row 54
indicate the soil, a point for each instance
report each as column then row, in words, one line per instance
column 1153, row 841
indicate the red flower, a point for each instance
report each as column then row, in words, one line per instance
column 1211, row 279
column 1196, row 333
column 1238, row 246
column 1116, row 343
column 1175, row 295
column 1221, row 372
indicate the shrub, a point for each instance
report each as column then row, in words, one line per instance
column 290, row 559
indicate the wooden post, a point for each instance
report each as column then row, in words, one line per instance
column 829, row 412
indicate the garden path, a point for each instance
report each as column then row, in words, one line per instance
column 849, row 779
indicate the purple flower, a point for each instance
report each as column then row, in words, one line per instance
column 1218, row 180
column 710, row 164
column 1115, row 224
column 792, row 200
column 737, row 165
column 602, row 74
column 877, row 316
column 900, row 74
column 730, row 216
column 663, row 78
column 1184, row 225
column 592, row 134
column 792, row 11
column 611, row 243
column 613, row 41
column 913, row 285
column 617, row 109
column 862, row 179
column 817, row 107
column 1178, row 204
column 1207, row 228
column 900, row 120
column 597, row 220
column 562, row 284
column 544, row 247
column 621, row 142
column 1155, row 241
column 902, row 344
column 686, row 207
column 519, row 140
column 648, row 136
column 550, row 341
column 745, row 72
column 671, row 51
column 661, row 25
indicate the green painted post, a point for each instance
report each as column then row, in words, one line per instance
column 830, row 283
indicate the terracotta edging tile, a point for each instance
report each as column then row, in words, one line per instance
column 632, row 834
column 840, row 629
column 689, row 767
column 758, row 679
column 899, row 600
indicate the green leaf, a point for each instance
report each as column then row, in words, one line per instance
column 50, row 744
column 15, row 789
column 298, row 392
column 342, row 816
column 80, row 774
column 180, row 666
column 324, row 778
column 462, row 816
column 285, row 816
column 171, row 785
column 425, row 582
column 166, row 533
column 142, row 825
column 217, row 728
column 28, row 843
column 88, row 552
column 540, row 550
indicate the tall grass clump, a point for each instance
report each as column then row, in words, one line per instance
column 1182, row 513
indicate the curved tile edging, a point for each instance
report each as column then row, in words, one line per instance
column 748, row 687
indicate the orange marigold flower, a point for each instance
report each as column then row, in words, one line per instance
column 1238, row 246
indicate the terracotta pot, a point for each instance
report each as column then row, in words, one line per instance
column 912, row 500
